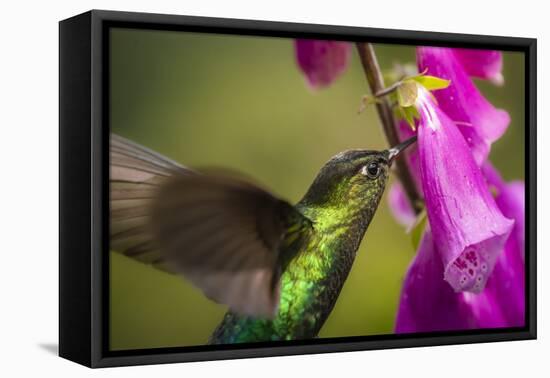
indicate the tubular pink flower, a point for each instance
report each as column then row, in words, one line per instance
column 469, row 230
column 322, row 62
column 400, row 206
column 474, row 241
column 479, row 121
column 398, row 202
column 510, row 198
column 427, row 302
column 405, row 132
column 507, row 283
column 483, row 64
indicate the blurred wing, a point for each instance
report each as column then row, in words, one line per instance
column 227, row 237
column 136, row 176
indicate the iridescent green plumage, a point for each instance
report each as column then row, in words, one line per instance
column 340, row 203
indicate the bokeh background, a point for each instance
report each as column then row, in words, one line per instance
column 209, row 100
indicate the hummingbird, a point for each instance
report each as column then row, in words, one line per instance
column 278, row 267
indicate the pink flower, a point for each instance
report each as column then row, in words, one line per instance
column 483, row 64
column 468, row 237
column 400, row 206
column 429, row 304
column 478, row 121
column 507, row 283
column 468, row 228
column 322, row 62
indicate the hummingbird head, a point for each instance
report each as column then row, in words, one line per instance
column 352, row 182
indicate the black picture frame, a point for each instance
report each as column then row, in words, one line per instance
column 84, row 187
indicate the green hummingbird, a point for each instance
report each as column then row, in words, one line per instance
column 278, row 267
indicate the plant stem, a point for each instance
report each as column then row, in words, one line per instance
column 386, row 91
column 376, row 84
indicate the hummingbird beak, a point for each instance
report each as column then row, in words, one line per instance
column 396, row 150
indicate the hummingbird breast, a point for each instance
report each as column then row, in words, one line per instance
column 309, row 288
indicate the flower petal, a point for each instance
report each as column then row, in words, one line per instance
column 507, row 283
column 469, row 230
column 484, row 310
column 510, row 198
column 405, row 132
column 427, row 302
column 511, row 202
column 322, row 61
column 483, row 64
column 479, row 122
column 398, row 201
column 400, row 206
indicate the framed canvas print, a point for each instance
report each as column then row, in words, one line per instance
column 233, row 188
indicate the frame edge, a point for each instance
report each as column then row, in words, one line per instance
column 74, row 189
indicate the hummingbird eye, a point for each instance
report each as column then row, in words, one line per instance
column 371, row 170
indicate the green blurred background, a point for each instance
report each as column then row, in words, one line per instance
column 241, row 102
